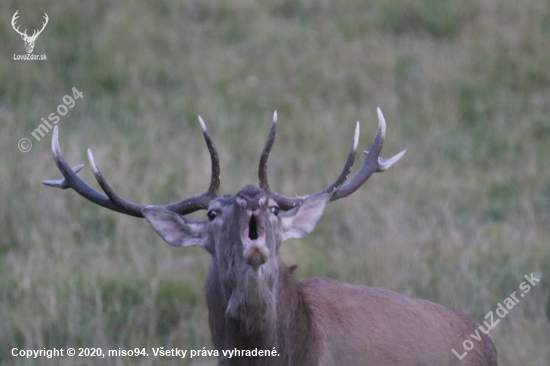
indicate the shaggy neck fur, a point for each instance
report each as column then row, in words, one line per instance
column 252, row 305
column 266, row 310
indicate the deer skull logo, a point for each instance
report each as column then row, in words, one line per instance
column 29, row 40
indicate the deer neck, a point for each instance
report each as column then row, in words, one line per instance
column 257, row 304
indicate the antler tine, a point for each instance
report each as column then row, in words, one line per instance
column 14, row 19
column 71, row 180
column 62, row 183
column 113, row 201
column 347, row 168
column 286, row 203
column 215, row 180
column 385, row 164
column 373, row 163
column 125, row 206
column 262, row 172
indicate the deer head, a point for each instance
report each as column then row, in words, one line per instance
column 29, row 40
column 249, row 220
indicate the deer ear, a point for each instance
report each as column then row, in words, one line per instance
column 176, row 230
column 301, row 220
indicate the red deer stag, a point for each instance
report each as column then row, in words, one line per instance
column 254, row 301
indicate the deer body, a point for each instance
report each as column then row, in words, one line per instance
column 372, row 326
column 254, row 301
column 379, row 327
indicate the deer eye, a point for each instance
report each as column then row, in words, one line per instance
column 275, row 210
column 211, row 215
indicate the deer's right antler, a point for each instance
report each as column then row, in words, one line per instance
column 113, row 201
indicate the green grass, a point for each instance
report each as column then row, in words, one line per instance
column 464, row 86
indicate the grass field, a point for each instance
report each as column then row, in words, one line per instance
column 464, row 86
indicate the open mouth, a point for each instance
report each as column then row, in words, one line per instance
column 253, row 228
column 253, row 233
column 255, row 251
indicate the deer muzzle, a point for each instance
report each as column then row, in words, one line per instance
column 255, row 252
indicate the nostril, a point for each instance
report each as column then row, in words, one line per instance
column 241, row 201
column 252, row 229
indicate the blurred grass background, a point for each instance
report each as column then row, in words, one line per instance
column 464, row 86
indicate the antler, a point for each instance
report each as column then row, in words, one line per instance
column 373, row 163
column 13, row 20
column 35, row 34
column 113, row 201
column 262, row 173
